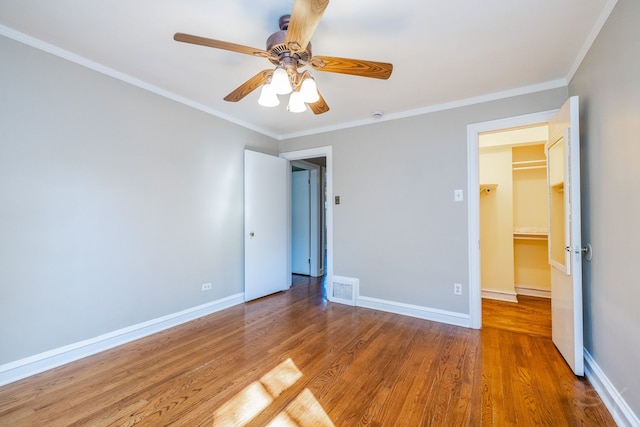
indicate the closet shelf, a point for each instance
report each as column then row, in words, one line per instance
column 529, row 164
column 530, row 233
column 520, row 236
column 526, row 168
column 487, row 188
column 538, row 162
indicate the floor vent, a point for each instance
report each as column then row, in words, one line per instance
column 344, row 290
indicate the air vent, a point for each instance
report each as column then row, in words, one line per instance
column 344, row 290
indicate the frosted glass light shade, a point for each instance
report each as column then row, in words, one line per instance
column 268, row 97
column 309, row 90
column 280, row 82
column 296, row 104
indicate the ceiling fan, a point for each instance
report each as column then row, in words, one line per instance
column 290, row 50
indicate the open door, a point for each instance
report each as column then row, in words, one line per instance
column 265, row 225
column 565, row 246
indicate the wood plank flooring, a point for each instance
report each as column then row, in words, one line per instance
column 291, row 359
column 530, row 315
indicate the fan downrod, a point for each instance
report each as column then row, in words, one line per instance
column 283, row 22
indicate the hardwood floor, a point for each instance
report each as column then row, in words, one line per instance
column 292, row 359
column 530, row 315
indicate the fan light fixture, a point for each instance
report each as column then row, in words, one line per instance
column 268, row 97
column 303, row 90
column 309, row 90
column 280, row 82
column 296, row 103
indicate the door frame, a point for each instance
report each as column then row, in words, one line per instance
column 316, row 243
column 326, row 152
column 473, row 196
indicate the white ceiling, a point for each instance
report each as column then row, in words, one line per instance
column 445, row 52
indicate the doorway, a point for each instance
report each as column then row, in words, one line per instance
column 320, row 155
column 308, row 228
column 515, row 275
column 474, row 131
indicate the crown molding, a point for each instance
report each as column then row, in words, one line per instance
column 593, row 34
column 525, row 90
column 103, row 69
column 72, row 57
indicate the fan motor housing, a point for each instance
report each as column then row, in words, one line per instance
column 276, row 44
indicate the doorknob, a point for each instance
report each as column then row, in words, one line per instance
column 587, row 251
column 252, row 234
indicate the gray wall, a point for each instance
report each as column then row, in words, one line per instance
column 397, row 227
column 608, row 84
column 115, row 204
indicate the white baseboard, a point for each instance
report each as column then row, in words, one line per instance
column 442, row 316
column 19, row 369
column 499, row 295
column 531, row 291
column 613, row 399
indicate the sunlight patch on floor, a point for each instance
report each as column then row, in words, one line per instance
column 244, row 406
column 303, row 410
column 279, row 379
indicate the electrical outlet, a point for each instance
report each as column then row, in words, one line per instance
column 206, row 286
column 458, row 195
column 457, row 288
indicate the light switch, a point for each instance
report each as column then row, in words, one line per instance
column 457, row 196
column 337, row 200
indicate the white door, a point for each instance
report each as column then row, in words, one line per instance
column 565, row 246
column 301, row 222
column 265, row 225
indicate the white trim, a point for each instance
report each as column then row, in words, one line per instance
column 554, row 84
column 327, row 153
column 473, row 218
column 591, row 37
column 613, row 399
column 19, row 369
column 499, row 295
column 77, row 59
column 473, row 181
column 427, row 313
column 532, row 291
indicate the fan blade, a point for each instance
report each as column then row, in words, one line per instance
column 202, row 41
column 320, row 106
column 305, row 17
column 356, row 67
column 249, row 86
